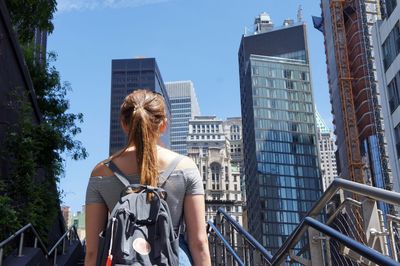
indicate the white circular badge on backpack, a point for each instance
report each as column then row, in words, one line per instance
column 141, row 246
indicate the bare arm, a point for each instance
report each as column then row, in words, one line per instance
column 96, row 215
column 196, row 229
column 95, row 222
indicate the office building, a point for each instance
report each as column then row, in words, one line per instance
column 184, row 106
column 128, row 75
column 327, row 148
column 386, row 36
column 210, row 150
column 67, row 215
column 282, row 171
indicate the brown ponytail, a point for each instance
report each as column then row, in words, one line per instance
column 143, row 112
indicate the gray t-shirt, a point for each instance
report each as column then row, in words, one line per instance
column 107, row 189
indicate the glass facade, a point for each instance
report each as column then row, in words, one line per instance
column 391, row 46
column 394, row 92
column 184, row 106
column 128, row 75
column 283, row 176
column 286, row 144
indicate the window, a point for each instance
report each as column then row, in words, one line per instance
column 397, row 139
column 390, row 6
column 391, row 46
column 393, row 92
column 215, row 171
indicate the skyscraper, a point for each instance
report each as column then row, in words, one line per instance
column 354, row 92
column 282, row 171
column 184, row 106
column 128, row 75
column 386, row 36
column 327, row 148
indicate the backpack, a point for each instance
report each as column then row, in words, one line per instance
column 140, row 231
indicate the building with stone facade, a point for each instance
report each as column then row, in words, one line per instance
column 210, row 149
column 327, row 148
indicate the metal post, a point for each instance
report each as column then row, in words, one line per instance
column 35, row 242
column 55, row 257
column 224, row 259
column 63, row 246
column 1, row 256
column 21, row 245
column 392, row 241
column 245, row 252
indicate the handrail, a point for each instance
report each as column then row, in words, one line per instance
column 37, row 237
column 337, row 184
column 363, row 250
column 309, row 221
column 249, row 237
column 362, row 189
column 341, row 207
column 20, row 231
column 227, row 245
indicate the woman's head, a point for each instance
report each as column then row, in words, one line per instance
column 143, row 118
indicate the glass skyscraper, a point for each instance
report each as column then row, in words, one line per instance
column 184, row 106
column 283, row 177
column 128, row 75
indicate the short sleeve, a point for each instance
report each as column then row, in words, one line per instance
column 92, row 193
column 194, row 183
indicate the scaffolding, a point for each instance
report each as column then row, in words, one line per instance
column 345, row 85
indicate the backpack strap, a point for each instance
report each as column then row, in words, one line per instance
column 163, row 178
column 118, row 173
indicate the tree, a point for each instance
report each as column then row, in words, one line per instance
column 35, row 152
column 29, row 15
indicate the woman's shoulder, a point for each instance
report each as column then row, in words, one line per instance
column 101, row 169
column 184, row 163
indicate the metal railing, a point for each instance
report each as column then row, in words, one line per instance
column 70, row 235
column 325, row 231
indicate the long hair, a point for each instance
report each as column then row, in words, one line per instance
column 143, row 112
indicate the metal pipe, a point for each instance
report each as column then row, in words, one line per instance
column 55, row 258
column 248, row 237
column 228, row 247
column 15, row 235
column 341, row 206
column 63, row 246
column 1, row 256
column 392, row 240
column 35, row 243
column 361, row 249
column 21, row 245
column 358, row 188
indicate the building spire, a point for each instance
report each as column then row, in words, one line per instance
column 300, row 14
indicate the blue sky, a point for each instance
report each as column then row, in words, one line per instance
column 191, row 40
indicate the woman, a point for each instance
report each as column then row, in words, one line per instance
column 143, row 119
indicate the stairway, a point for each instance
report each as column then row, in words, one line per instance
column 68, row 250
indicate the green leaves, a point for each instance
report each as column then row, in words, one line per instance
column 34, row 152
column 28, row 15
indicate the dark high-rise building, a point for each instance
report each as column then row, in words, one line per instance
column 283, row 178
column 128, row 75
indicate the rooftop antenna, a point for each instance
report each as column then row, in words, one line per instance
column 300, row 14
